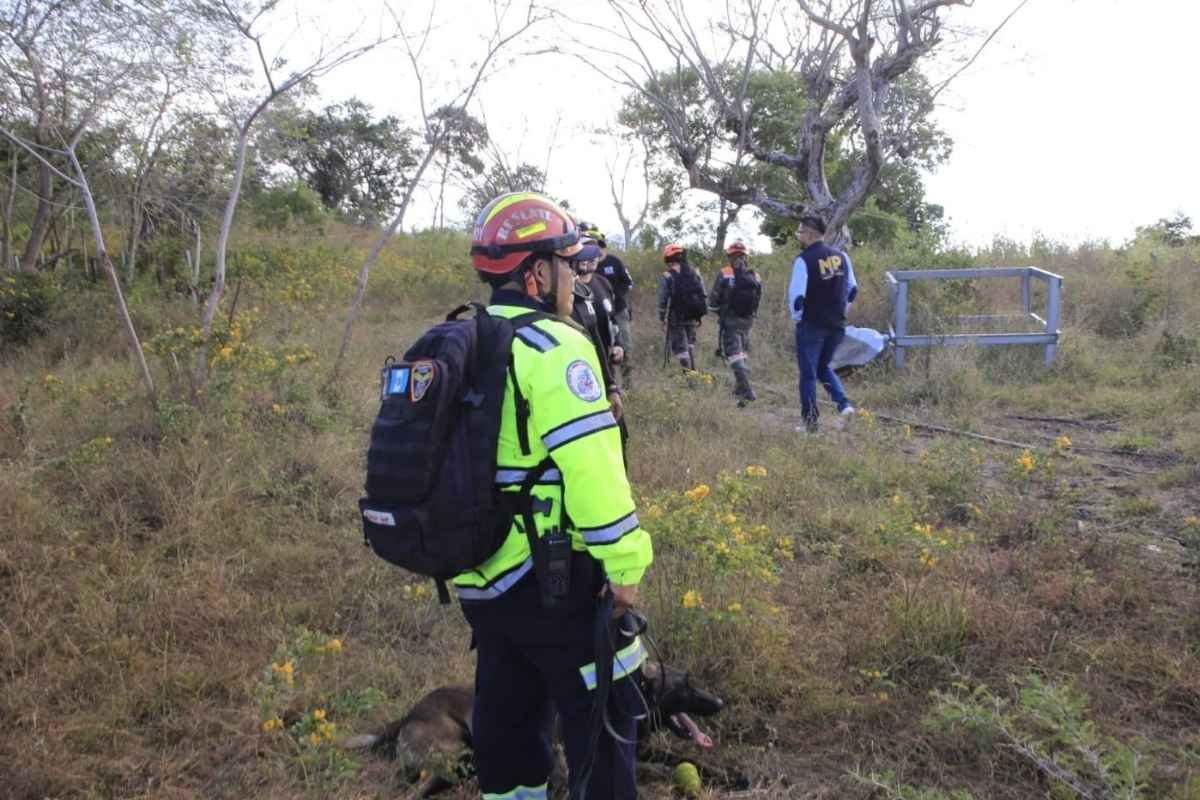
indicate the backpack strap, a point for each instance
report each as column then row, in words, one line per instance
column 522, row 409
column 478, row 308
column 443, row 592
column 541, row 341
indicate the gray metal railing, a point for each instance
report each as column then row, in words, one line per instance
column 899, row 280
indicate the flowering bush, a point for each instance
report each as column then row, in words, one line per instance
column 715, row 569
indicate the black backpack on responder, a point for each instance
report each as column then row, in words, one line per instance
column 432, row 505
column 745, row 294
column 688, row 300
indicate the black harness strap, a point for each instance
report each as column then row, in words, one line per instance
column 522, row 404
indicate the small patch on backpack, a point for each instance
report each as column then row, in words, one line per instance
column 379, row 517
column 582, row 381
column 395, row 380
column 423, row 373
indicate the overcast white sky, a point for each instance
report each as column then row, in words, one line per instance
column 1076, row 122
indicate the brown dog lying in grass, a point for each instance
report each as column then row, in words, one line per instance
column 431, row 739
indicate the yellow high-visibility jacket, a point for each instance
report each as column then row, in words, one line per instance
column 571, row 422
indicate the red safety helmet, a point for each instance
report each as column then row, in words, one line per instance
column 737, row 248
column 519, row 223
column 672, row 251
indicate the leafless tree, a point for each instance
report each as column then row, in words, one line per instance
column 440, row 123
column 618, row 169
column 250, row 23
column 848, row 55
column 147, row 149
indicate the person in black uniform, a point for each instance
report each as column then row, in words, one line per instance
column 613, row 270
column 593, row 310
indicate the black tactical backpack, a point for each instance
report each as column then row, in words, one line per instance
column 431, row 504
column 745, row 294
column 688, row 301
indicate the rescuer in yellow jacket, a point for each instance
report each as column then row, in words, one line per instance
column 534, row 660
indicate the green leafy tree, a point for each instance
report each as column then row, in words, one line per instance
column 357, row 163
column 790, row 108
column 501, row 178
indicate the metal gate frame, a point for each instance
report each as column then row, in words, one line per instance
column 898, row 281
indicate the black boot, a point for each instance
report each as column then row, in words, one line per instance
column 742, row 389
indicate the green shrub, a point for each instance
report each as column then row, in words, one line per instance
column 1048, row 727
column 26, row 300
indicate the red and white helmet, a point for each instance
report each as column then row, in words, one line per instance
column 516, row 224
column 737, row 248
column 672, row 251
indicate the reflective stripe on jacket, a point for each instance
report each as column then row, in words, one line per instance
column 571, row 422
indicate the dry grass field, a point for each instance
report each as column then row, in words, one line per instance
column 187, row 609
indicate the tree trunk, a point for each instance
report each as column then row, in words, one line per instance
column 218, row 285
column 365, row 271
column 725, row 218
column 6, row 257
column 194, row 263
column 441, row 215
column 134, row 239
column 102, row 255
column 41, row 219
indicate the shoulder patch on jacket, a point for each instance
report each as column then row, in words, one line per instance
column 582, row 381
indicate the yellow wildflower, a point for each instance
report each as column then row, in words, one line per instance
column 692, row 599
column 729, row 519
column 314, row 738
column 756, row 472
column 286, row 671
column 928, row 560
column 735, row 608
column 897, row 500
column 698, row 493
column 225, row 353
column 333, row 646
column 277, row 409
column 319, row 714
column 1063, row 442
column 923, row 530
column 883, row 696
column 273, row 724
column 740, row 536
column 1026, row 461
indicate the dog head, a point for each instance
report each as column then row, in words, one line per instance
column 671, row 698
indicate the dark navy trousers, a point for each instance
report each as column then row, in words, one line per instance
column 814, row 350
column 528, row 669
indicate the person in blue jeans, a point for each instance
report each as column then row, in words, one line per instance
column 821, row 289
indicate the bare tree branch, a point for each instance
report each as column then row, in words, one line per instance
column 435, row 139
